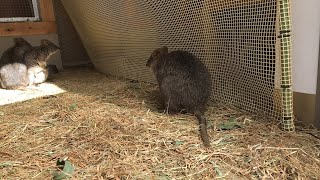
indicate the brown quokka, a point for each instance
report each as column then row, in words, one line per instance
column 13, row 71
column 184, row 82
column 36, row 61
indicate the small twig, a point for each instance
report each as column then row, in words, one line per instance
column 278, row 148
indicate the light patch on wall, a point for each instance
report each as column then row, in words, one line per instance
column 305, row 47
column 32, row 92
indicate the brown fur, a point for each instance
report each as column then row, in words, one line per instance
column 36, row 61
column 184, row 82
column 13, row 71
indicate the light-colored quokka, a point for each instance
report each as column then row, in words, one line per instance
column 13, row 71
column 36, row 61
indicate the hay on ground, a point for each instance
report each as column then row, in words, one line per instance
column 110, row 128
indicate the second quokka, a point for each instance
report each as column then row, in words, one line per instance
column 13, row 71
column 36, row 61
column 184, row 82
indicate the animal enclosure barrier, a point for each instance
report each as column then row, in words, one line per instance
column 18, row 10
column 244, row 43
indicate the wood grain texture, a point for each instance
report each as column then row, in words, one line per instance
column 46, row 26
column 46, row 10
column 27, row 28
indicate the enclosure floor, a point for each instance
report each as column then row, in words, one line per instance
column 110, row 128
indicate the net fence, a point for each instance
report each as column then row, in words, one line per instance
column 73, row 53
column 16, row 8
column 242, row 42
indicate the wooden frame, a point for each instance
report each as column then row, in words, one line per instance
column 46, row 10
column 45, row 26
column 317, row 108
column 36, row 16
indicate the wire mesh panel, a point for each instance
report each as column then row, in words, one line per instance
column 73, row 52
column 236, row 39
column 286, row 84
column 18, row 10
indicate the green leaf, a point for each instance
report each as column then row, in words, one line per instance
column 219, row 172
column 66, row 169
column 209, row 124
column 73, row 106
column 9, row 163
column 228, row 125
column 163, row 177
column 217, row 169
column 49, row 153
column 246, row 159
column 179, row 142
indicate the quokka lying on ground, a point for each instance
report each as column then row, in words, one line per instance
column 36, row 61
column 22, row 65
column 13, row 70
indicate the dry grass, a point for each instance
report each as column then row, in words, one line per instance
column 110, row 128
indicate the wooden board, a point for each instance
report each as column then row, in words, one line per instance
column 46, row 26
column 27, row 28
column 46, row 10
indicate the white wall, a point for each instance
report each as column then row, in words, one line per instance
column 305, row 47
column 34, row 40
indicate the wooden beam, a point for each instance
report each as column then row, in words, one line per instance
column 317, row 108
column 27, row 28
column 46, row 10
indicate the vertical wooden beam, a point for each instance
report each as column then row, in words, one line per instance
column 317, row 108
column 27, row 28
column 46, row 10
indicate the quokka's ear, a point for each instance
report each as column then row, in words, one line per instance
column 164, row 50
column 160, row 52
column 20, row 41
column 45, row 42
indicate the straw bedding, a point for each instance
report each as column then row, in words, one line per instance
column 111, row 128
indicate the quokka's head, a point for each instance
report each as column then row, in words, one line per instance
column 49, row 47
column 157, row 56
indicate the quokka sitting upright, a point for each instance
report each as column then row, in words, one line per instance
column 36, row 61
column 184, row 82
column 13, row 71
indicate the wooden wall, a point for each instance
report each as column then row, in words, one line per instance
column 46, row 25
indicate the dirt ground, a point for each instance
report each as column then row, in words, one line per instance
column 111, row 128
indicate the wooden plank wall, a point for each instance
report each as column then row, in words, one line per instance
column 46, row 25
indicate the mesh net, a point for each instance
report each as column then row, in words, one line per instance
column 236, row 39
column 286, row 85
column 73, row 53
column 16, row 8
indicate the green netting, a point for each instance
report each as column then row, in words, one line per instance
column 238, row 40
column 286, row 85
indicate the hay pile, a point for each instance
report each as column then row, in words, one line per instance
column 110, row 128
